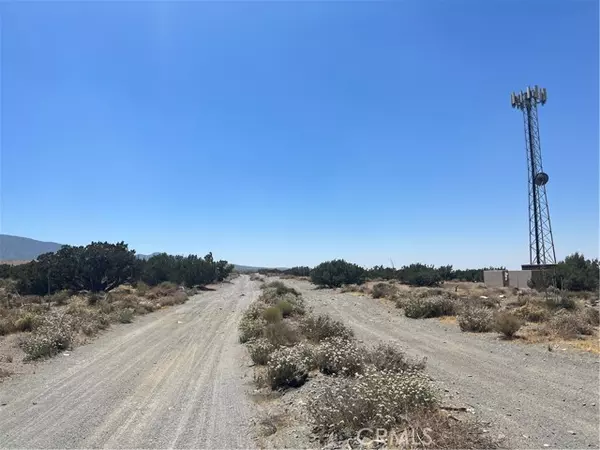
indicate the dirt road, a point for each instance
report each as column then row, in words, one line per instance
column 530, row 395
column 175, row 378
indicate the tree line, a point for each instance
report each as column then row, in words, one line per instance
column 574, row 273
column 101, row 266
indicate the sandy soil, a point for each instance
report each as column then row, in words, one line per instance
column 174, row 378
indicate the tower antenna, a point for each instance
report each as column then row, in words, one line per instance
column 541, row 242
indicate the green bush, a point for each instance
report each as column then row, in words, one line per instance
column 286, row 308
column 337, row 273
column 576, row 273
column 426, row 307
column 280, row 288
column 272, row 314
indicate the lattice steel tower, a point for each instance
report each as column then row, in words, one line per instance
column 541, row 243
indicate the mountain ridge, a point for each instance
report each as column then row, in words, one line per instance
column 23, row 249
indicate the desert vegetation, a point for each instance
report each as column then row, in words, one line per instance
column 361, row 387
column 54, row 323
column 101, row 266
column 62, row 299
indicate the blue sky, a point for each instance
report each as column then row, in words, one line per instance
column 288, row 134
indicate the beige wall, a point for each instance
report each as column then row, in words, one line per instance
column 494, row 278
column 519, row 278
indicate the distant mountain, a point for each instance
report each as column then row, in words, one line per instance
column 14, row 248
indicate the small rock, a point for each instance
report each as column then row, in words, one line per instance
column 518, row 409
column 485, row 431
column 65, row 354
column 2, row 404
column 593, row 404
column 179, row 321
column 546, row 445
column 583, row 404
column 446, row 390
column 34, row 403
column 508, row 414
column 470, row 376
column 571, row 432
column 525, row 436
column 501, row 437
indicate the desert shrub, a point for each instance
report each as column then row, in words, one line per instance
column 285, row 307
column 592, row 315
column 260, row 350
column 176, row 298
column 425, row 307
column 53, row 334
column 94, row 298
column 280, row 288
column 322, row 327
column 383, row 290
column 126, row 315
column 339, row 356
column 560, row 301
column 250, row 328
column 141, row 288
column 280, row 334
column 337, row 273
column 350, row 288
column 533, row 313
column 26, row 322
column 256, row 277
column 475, row 318
column 59, row 297
column 272, row 314
column 569, row 325
column 375, row 399
column 507, row 323
column 287, row 367
column 7, row 326
column 163, row 289
column 387, row 357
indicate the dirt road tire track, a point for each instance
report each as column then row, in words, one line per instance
column 523, row 390
column 177, row 378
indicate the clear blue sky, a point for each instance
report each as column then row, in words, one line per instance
column 287, row 134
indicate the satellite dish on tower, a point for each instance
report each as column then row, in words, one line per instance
column 541, row 179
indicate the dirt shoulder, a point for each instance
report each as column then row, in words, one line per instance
column 174, row 378
column 525, row 392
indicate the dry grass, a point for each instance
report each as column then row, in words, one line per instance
column 449, row 320
column 56, row 322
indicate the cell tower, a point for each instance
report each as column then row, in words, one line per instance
column 541, row 243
